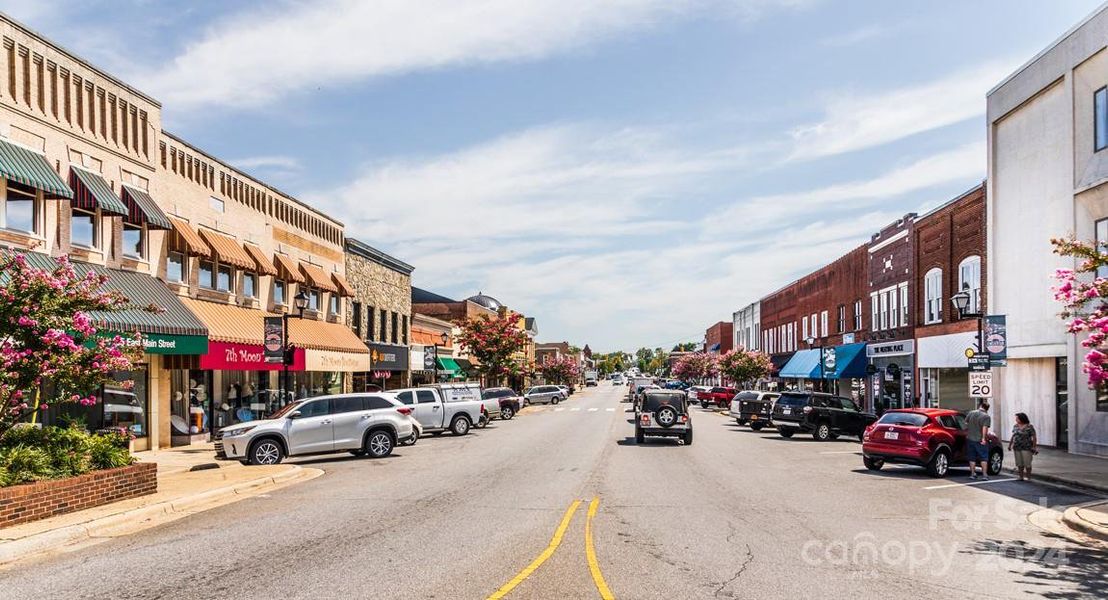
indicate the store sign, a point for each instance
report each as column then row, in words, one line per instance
column 387, row 357
column 332, row 361
column 273, row 334
column 891, row 348
column 161, row 343
column 981, row 384
column 828, row 362
column 996, row 339
column 228, row 356
column 848, row 338
column 430, row 357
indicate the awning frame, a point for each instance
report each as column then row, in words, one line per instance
column 142, row 210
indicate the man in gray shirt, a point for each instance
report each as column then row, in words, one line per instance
column 977, row 439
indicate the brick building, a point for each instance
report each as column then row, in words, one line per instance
column 950, row 257
column 380, row 313
column 891, row 347
column 720, row 337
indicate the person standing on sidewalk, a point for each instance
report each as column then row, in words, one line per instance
column 977, row 439
column 1025, row 444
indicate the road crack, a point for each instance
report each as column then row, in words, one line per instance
column 742, row 568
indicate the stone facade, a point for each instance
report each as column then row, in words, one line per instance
column 382, row 293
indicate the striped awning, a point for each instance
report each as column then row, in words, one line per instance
column 186, row 238
column 317, row 278
column 91, row 191
column 31, row 168
column 142, row 292
column 227, row 250
column 342, row 285
column 288, row 268
column 264, row 265
column 141, row 208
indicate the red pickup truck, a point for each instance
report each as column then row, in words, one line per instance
column 720, row 396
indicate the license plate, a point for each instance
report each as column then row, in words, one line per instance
column 891, row 435
column 786, row 411
column 753, row 417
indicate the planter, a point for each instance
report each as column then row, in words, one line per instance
column 43, row 499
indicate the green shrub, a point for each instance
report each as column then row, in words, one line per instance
column 25, row 464
column 104, row 452
column 24, row 435
column 34, row 453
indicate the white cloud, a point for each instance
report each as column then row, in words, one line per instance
column 856, row 121
column 251, row 58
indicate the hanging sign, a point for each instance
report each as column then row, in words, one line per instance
column 273, row 336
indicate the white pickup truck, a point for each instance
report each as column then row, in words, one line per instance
column 445, row 407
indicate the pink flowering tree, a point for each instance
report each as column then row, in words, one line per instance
column 47, row 336
column 695, row 366
column 744, row 367
column 1082, row 293
column 497, row 343
column 559, row 369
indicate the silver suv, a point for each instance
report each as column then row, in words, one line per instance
column 544, row 394
column 362, row 424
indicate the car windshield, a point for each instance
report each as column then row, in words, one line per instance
column 793, row 399
column 903, row 418
column 286, row 410
column 653, row 401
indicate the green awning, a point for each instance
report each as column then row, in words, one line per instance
column 90, row 190
column 141, row 208
column 447, row 364
column 142, row 291
column 31, row 168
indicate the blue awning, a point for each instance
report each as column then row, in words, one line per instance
column 850, row 361
column 803, row 365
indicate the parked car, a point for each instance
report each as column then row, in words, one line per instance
column 825, row 416
column 635, row 383
column 719, row 396
column 544, row 394
column 754, row 407
column 567, row 390
column 665, row 414
column 693, row 392
column 510, row 401
column 933, row 438
column 444, row 407
column 362, row 424
column 618, row 380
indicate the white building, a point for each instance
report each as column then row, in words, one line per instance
column 1047, row 169
column 747, row 327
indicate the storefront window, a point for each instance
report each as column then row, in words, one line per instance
column 190, row 401
column 309, row 384
column 127, row 408
column 242, row 396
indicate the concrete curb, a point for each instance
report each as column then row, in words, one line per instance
column 1072, row 518
column 147, row 516
column 1101, row 489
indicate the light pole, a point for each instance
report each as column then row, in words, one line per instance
column 300, row 302
column 445, row 337
column 811, row 341
column 961, row 302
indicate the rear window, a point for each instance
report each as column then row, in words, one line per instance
column 747, row 396
column 491, row 394
column 654, row 401
column 793, row 400
column 903, row 418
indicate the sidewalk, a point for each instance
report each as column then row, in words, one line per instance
column 1056, row 466
column 190, row 480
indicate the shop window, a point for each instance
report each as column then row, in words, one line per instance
column 175, row 267
column 249, row 285
column 122, row 406
column 82, row 228
column 969, row 280
column 134, row 242
column 278, row 292
column 933, row 296
column 1100, row 119
column 20, row 209
column 223, row 278
column 207, row 274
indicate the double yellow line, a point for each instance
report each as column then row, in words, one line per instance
column 559, row 533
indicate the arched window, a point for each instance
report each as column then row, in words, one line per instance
column 933, row 296
column 969, row 280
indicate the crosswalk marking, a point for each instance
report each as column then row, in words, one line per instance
column 593, row 409
column 574, row 409
column 609, row 410
column 558, row 409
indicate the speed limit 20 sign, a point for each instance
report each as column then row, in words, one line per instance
column 981, row 384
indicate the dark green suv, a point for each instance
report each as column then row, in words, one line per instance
column 664, row 413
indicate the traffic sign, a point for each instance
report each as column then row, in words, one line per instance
column 981, row 384
column 980, row 362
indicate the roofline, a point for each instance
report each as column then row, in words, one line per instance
column 75, row 58
column 229, row 167
column 364, row 250
column 1046, row 50
column 432, row 320
column 953, row 200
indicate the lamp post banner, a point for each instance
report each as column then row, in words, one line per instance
column 996, row 339
column 274, row 339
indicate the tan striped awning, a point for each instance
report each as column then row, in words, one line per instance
column 288, row 268
column 317, row 278
column 342, row 285
column 227, row 250
column 187, row 239
column 236, row 324
column 265, row 266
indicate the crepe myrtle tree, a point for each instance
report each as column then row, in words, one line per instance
column 744, row 367
column 559, row 369
column 47, row 336
column 695, row 367
column 496, row 342
column 1084, row 295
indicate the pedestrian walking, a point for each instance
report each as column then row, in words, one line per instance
column 977, row 439
column 1024, row 443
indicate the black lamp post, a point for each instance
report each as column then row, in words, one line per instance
column 961, row 302
column 300, row 302
column 445, row 337
column 811, row 341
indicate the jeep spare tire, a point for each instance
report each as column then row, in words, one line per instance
column 666, row 416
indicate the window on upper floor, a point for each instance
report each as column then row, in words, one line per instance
column 82, row 228
column 134, row 241
column 804, row 329
column 207, row 274
column 904, row 305
column 175, row 267
column 969, row 280
column 223, row 278
column 874, row 321
column 334, row 307
column 250, row 285
column 1102, row 244
column 278, row 292
column 1100, row 119
column 842, row 318
column 313, row 299
column 933, row 296
column 857, row 315
column 823, row 324
column 20, row 209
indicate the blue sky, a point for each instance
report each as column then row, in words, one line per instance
column 626, row 171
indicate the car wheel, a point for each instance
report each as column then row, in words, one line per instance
column 873, row 464
column 741, row 421
column 507, row 413
column 639, row 436
column 996, row 462
column 410, row 440
column 822, row 432
column 460, row 426
column 757, row 426
column 703, row 405
column 379, row 444
column 666, row 416
column 265, row 452
column 940, row 464
column 482, row 422
column 688, row 438
column 785, row 432
column 553, row 400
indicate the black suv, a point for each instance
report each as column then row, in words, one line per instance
column 823, row 415
column 663, row 413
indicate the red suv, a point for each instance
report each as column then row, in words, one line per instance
column 934, row 438
column 720, row 396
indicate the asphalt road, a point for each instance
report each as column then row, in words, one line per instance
column 738, row 514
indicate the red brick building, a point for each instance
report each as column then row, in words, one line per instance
column 891, row 347
column 720, row 338
column 950, row 257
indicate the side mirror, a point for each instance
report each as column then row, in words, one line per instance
column 294, row 414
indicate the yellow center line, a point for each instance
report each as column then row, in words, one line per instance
column 546, row 554
column 590, row 554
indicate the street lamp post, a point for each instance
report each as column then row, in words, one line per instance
column 811, row 341
column 961, row 302
column 445, row 337
column 300, row 302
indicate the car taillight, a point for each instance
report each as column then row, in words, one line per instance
column 807, row 409
column 404, row 410
column 646, row 419
column 684, row 418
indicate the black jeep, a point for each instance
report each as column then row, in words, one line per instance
column 663, row 413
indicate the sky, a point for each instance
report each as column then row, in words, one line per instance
column 628, row 172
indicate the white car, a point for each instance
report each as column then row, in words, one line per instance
column 696, row 389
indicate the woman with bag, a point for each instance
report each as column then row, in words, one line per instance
column 1024, row 444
